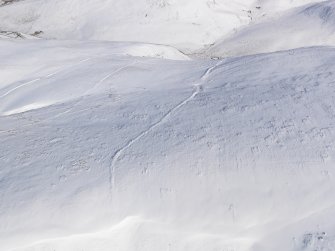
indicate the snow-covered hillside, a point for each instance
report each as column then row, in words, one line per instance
column 21, row 75
column 185, row 24
column 133, row 153
column 119, row 132
column 310, row 25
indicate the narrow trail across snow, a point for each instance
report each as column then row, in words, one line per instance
column 101, row 81
column 197, row 89
column 41, row 78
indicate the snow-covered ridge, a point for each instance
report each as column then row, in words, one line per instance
column 187, row 25
column 310, row 25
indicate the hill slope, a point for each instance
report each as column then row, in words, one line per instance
column 187, row 25
column 153, row 154
column 113, row 145
column 310, row 25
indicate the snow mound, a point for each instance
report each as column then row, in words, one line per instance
column 312, row 25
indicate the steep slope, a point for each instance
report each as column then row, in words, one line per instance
column 311, row 25
column 152, row 154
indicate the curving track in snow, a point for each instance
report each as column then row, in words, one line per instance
column 197, row 89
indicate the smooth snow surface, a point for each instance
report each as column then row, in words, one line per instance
column 132, row 153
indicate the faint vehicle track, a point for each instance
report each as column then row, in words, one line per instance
column 198, row 87
column 109, row 75
column 41, row 78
